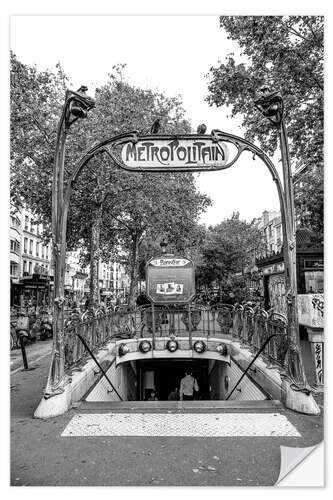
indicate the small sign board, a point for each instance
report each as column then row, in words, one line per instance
column 170, row 280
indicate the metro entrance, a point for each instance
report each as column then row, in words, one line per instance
column 200, row 152
column 164, row 376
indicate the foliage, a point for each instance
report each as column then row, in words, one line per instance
column 287, row 53
column 228, row 248
column 131, row 206
column 36, row 99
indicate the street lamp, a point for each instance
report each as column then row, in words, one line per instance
column 76, row 106
column 270, row 104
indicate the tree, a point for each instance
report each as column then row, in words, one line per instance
column 102, row 213
column 287, row 53
column 164, row 205
column 36, row 100
column 228, row 248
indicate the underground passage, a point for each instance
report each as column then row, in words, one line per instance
column 155, row 380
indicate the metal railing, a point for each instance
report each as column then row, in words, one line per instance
column 251, row 326
column 99, row 327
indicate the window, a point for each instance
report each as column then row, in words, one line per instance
column 47, row 252
column 25, row 245
column 43, row 251
column 270, row 229
column 30, row 267
column 25, row 266
column 13, row 269
column 14, row 246
column 30, row 246
column 32, row 227
column 37, row 249
column 26, row 223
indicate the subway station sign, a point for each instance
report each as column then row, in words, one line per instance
column 170, row 280
column 186, row 152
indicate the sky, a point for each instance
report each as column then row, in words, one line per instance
column 171, row 54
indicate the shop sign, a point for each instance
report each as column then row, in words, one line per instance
column 170, row 280
column 175, row 153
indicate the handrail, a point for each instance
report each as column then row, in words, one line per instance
column 99, row 366
column 253, row 360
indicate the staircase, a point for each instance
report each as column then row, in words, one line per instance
column 177, row 406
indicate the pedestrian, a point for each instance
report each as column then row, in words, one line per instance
column 188, row 385
column 152, row 396
column 174, row 395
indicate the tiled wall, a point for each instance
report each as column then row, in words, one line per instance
column 223, row 378
column 123, row 380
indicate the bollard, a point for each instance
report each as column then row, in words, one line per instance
column 24, row 354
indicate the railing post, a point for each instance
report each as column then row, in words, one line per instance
column 189, row 326
column 153, row 324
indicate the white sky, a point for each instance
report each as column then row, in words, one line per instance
column 167, row 53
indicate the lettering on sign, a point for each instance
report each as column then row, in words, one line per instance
column 169, row 262
column 175, row 153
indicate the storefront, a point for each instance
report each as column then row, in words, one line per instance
column 36, row 289
column 310, row 271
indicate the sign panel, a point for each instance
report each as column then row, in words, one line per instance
column 184, row 152
column 170, row 280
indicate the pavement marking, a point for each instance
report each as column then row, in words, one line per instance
column 185, row 424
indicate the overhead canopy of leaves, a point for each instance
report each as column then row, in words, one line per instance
column 287, row 53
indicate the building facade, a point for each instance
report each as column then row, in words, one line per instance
column 15, row 235
column 36, row 253
column 270, row 225
column 30, row 259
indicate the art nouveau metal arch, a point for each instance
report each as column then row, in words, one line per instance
column 203, row 153
column 170, row 158
column 112, row 145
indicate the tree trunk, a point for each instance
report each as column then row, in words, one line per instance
column 134, row 271
column 94, row 257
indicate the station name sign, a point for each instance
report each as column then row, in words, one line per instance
column 167, row 262
column 184, row 152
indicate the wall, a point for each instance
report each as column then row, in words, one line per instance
column 248, row 390
column 311, row 310
column 122, row 377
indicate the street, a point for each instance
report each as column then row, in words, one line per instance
column 35, row 352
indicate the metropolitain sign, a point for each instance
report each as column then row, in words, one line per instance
column 175, row 153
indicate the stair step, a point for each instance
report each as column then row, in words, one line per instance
column 200, row 406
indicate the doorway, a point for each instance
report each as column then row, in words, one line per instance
column 164, row 376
